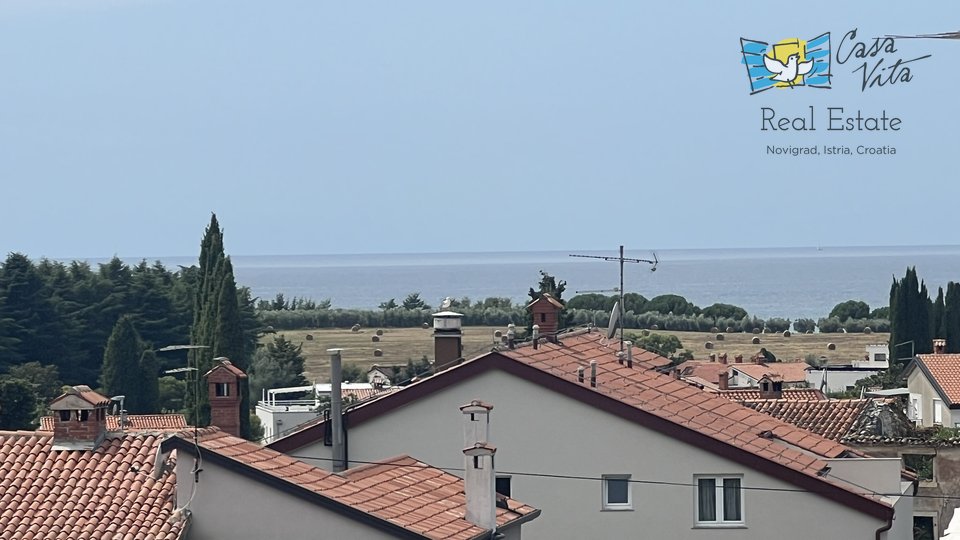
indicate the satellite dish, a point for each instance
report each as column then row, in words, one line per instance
column 614, row 321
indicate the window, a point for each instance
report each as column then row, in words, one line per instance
column 503, row 485
column 922, row 464
column 719, row 501
column 222, row 389
column 616, row 492
column 937, row 412
column 923, row 528
column 543, row 317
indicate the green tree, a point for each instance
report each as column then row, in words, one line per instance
column 672, row 303
column 880, row 313
column 413, row 301
column 43, row 380
column 548, row 284
column 726, row 311
column 936, row 316
column 666, row 345
column 18, row 403
column 149, row 399
column 851, row 309
column 170, row 394
column 351, row 372
column 278, row 365
column 121, row 374
column 910, row 308
column 389, row 304
column 951, row 317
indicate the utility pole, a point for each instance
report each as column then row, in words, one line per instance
column 621, row 259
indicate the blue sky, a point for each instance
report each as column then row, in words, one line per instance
column 365, row 127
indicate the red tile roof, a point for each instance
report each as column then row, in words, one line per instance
column 788, row 394
column 400, row 491
column 701, row 369
column 106, row 493
column 944, row 372
column 791, row 372
column 832, row 419
column 225, row 363
column 85, row 393
column 651, row 399
column 135, row 422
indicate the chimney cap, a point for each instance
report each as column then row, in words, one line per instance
column 447, row 315
column 79, row 397
column 480, row 449
column 475, row 406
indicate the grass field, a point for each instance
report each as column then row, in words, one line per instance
column 400, row 344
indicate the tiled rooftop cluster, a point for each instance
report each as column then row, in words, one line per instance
column 788, row 394
column 791, row 372
column 135, row 422
column 402, row 490
column 944, row 369
column 107, row 494
column 832, row 419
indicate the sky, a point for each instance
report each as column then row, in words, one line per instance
column 315, row 127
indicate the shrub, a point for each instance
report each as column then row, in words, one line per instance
column 804, row 325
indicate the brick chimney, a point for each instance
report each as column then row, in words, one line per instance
column 939, row 346
column 724, row 383
column 546, row 313
column 223, row 387
column 722, row 358
column 738, row 359
column 479, row 478
column 447, row 339
column 79, row 419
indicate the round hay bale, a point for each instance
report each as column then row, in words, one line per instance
column 379, row 332
column 729, row 330
column 374, row 338
column 867, row 330
column 756, row 330
column 644, row 332
column 720, row 337
column 708, row 345
column 497, row 334
column 425, row 326
column 809, row 331
column 755, row 340
column 355, row 328
column 654, row 327
column 269, row 330
column 786, row 333
column 377, row 352
column 309, row 337
column 831, row 346
column 714, row 329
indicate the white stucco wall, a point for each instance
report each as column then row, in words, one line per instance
column 917, row 383
column 837, row 380
column 227, row 505
column 538, row 431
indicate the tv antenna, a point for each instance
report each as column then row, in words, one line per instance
column 621, row 259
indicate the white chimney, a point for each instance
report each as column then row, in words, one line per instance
column 476, row 425
column 479, row 485
column 629, row 346
column 536, row 336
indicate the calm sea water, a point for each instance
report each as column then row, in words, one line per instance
column 772, row 282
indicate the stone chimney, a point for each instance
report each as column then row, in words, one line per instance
column 771, row 387
column 939, row 346
column 447, row 339
column 724, row 383
column 546, row 313
column 738, row 359
column 479, row 478
column 223, row 387
column 79, row 419
column 722, row 358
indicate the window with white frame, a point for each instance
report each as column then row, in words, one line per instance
column 719, row 500
column 616, row 492
column 937, row 412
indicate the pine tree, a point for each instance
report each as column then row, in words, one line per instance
column 121, row 375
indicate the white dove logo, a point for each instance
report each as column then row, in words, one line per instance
column 788, row 72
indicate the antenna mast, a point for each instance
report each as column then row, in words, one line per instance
column 621, row 259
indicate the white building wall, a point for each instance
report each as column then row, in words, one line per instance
column 227, row 505
column 276, row 421
column 539, row 431
column 838, row 380
column 917, row 383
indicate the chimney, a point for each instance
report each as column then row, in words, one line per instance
column 536, row 336
column 79, row 419
column 479, row 478
column 580, row 374
column 593, row 373
column 629, row 348
column 546, row 314
column 447, row 339
column 723, row 358
column 336, row 412
column 223, row 391
column 738, row 359
column 939, row 346
column 511, row 335
column 724, row 383
column 771, row 387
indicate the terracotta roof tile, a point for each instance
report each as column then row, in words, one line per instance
column 831, row 419
column 945, row 371
column 792, row 372
column 47, row 494
column 401, row 490
column 135, row 422
column 789, row 394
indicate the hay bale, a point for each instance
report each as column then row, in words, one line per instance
column 867, row 330
column 729, row 330
column 374, row 338
column 654, row 327
column 708, row 345
column 756, row 330
column 355, row 328
column 379, row 332
column 644, row 332
column 497, row 334
column 714, row 329
column 786, row 333
column 269, row 330
column 377, row 352
column 755, row 340
column 831, row 346
column 720, row 337
column 425, row 326
column 309, row 337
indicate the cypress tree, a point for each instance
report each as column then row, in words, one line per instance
column 228, row 338
column 149, row 402
column 910, row 318
column 121, row 364
column 951, row 317
column 936, row 316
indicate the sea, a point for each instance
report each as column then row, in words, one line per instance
column 767, row 282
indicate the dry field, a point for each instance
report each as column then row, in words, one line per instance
column 400, row 344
